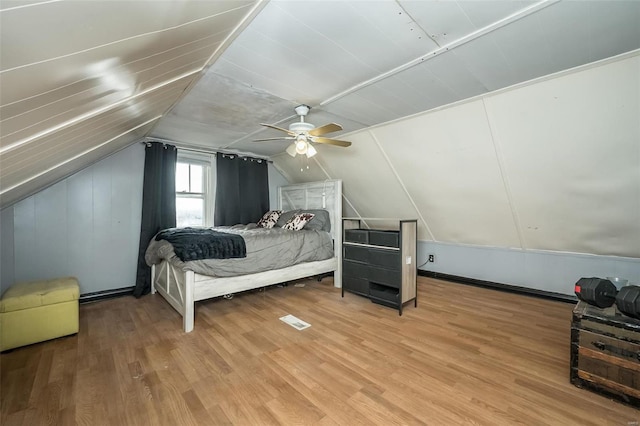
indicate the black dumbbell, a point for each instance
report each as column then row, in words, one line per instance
column 596, row 291
column 628, row 301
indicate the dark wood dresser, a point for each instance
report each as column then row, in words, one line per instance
column 380, row 263
column 605, row 353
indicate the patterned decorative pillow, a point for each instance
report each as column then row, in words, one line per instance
column 298, row 221
column 285, row 216
column 269, row 219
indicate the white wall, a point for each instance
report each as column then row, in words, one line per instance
column 6, row 249
column 553, row 272
column 86, row 225
column 276, row 180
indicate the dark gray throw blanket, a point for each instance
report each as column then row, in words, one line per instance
column 200, row 243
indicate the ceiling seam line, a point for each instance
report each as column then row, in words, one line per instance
column 426, row 33
column 328, row 39
column 384, row 154
column 527, row 83
column 257, row 8
column 448, row 47
column 35, row 123
column 181, row 146
column 122, row 65
column 503, row 174
column 91, row 114
column 9, row 9
column 75, row 157
column 115, row 42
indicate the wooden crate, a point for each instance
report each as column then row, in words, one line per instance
column 605, row 353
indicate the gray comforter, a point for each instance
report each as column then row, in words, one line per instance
column 267, row 249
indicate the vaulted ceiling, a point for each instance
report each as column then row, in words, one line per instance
column 80, row 80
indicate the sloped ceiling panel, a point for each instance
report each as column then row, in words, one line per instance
column 367, row 63
column 235, row 108
column 571, row 148
column 439, row 81
column 78, row 75
column 71, row 165
column 94, row 24
column 292, row 53
column 21, row 162
column 130, row 62
column 328, row 55
column 536, row 43
column 452, row 174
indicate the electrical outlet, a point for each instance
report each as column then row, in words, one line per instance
column 432, row 258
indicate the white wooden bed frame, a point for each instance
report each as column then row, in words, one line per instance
column 183, row 288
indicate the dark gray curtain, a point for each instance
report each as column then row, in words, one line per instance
column 158, row 204
column 242, row 190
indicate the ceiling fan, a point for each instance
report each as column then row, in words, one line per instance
column 303, row 133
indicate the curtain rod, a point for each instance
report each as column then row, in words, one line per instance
column 205, row 151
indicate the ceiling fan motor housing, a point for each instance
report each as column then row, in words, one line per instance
column 302, row 110
column 301, row 127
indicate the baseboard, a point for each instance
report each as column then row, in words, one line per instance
column 499, row 286
column 105, row 294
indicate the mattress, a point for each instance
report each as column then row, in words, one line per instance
column 267, row 249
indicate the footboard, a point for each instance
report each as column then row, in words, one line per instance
column 177, row 287
column 183, row 288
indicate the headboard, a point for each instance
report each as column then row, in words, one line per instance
column 315, row 195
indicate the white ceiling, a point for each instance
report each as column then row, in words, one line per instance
column 82, row 79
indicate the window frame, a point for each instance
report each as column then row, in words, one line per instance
column 208, row 185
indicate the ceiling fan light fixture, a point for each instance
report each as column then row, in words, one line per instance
column 291, row 149
column 303, row 134
column 301, row 144
column 311, row 151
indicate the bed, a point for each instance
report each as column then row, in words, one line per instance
column 182, row 286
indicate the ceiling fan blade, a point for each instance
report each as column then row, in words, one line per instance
column 336, row 142
column 327, row 128
column 278, row 128
column 281, row 138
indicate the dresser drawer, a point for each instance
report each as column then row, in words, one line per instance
column 355, row 269
column 358, row 253
column 356, row 285
column 356, row 236
column 384, row 238
column 385, row 295
column 388, row 277
column 389, row 259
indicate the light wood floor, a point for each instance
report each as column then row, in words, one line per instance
column 466, row 355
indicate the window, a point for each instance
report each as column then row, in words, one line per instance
column 193, row 195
